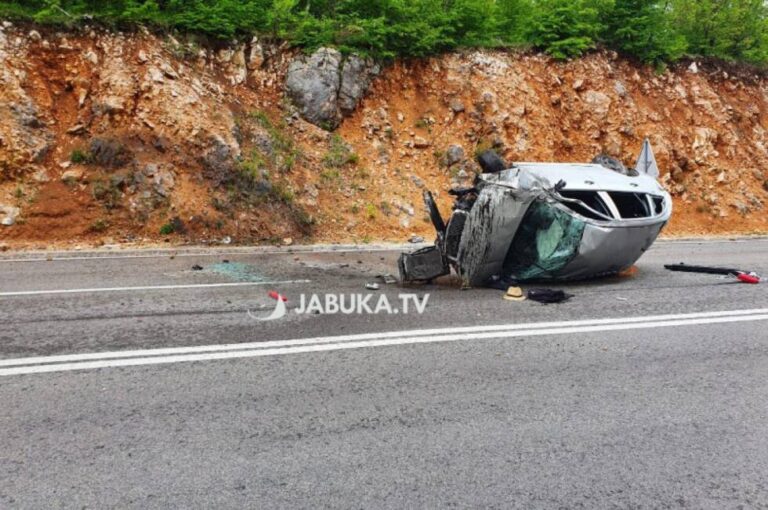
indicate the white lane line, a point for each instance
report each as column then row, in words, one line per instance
column 150, row 287
column 275, row 351
column 62, row 358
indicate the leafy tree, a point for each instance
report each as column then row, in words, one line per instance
column 513, row 18
column 654, row 31
column 727, row 29
column 641, row 28
column 564, row 28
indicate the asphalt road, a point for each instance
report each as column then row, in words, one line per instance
column 643, row 391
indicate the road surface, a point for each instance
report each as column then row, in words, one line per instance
column 130, row 380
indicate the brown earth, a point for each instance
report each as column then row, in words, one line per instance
column 109, row 138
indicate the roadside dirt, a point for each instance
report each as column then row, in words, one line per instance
column 129, row 138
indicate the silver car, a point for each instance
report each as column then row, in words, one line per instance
column 546, row 221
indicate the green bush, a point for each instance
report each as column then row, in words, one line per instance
column 167, row 229
column 651, row 30
column 79, row 156
column 564, row 28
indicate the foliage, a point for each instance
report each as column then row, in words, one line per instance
column 167, row 229
column 732, row 30
column 642, row 29
column 339, row 154
column 79, row 156
column 564, row 28
column 654, row 31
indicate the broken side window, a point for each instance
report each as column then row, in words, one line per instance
column 547, row 240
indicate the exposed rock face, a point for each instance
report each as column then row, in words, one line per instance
column 326, row 86
column 144, row 129
column 356, row 76
column 24, row 137
column 313, row 83
column 8, row 215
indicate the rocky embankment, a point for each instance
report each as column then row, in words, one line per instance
column 117, row 137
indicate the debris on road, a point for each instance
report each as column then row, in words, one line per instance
column 548, row 296
column 372, row 286
column 197, row 267
column 416, row 239
column 277, row 296
column 237, row 271
column 544, row 221
column 515, row 294
column 387, row 278
column 744, row 276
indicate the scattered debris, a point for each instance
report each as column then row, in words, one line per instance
column 416, row 239
column 527, row 223
column 515, row 294
column 742, row 276
column 237, row 271
column 423, row 265
column 387, row 278
column 548, row 296
column 197, row 267
column 277, row 296
column 372, row 286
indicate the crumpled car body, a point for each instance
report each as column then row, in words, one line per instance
column 546, row 221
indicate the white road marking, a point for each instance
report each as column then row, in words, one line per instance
column 164, row 356
column 368, row 336
column 151, row 287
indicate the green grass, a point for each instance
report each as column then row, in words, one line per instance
column 79, row 157
column 167, row 229
column 339, row 153
column 99, row 225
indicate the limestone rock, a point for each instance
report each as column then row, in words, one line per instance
column 313, row 84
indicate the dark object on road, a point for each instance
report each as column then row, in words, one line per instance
column 423, row 265
column 548, row 296
column 490, row 162
column 197, row 267
column 514, row 294
column 741, row 275
column 546, row 221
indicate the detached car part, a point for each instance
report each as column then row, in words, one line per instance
column 546, row 221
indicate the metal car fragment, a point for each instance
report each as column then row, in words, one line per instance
column 546, row 221
column 741, row 275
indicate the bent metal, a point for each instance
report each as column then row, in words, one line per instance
column 545, row 221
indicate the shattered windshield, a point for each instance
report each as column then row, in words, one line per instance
column 547, row 240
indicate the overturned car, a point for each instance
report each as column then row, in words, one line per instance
column 545, row 221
